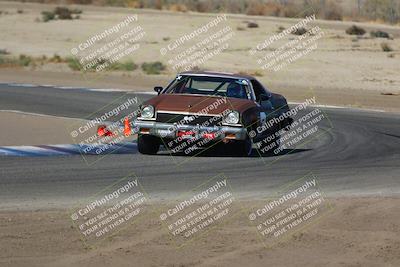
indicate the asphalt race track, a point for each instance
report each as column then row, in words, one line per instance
column 358, row 155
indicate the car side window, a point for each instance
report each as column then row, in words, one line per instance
column 179, row 87
column 258, row 89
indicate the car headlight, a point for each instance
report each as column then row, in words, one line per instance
column 147, row 112
column 232, row 117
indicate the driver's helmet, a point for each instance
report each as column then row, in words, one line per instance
column 235, row 90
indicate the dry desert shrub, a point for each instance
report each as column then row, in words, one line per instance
column 386, row 47
column 333, row 11
column 158, row 4
column 255, row 8
column 178, row 8
column 273, row 9
column 153, row 67
column 197, row 68
column 11, row 61
column 80, row 2
column 385, row 10
column 63, row 13
column 379, row 34
column 299, row 31
column 355, row 30
column 56, row 59
column 203, row 6
column 293, row 10
column 264, row 9
column 280, row 29
column 252, row 24
column 255, row 73
column 48, row 15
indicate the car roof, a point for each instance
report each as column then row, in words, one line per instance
column 217, row 74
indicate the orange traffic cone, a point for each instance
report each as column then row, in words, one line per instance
column 127, row 127
column 103, row 131
column 100, row 130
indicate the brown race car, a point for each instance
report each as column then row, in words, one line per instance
column 200, row 109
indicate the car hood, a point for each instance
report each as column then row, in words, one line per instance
column 195, row 103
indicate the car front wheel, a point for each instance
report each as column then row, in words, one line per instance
column 148, row 144
column 243, row 148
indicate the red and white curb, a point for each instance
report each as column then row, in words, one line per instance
column 68, row 149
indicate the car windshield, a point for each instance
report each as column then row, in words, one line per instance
column 213, row 86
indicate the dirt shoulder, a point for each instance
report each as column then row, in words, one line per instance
column 30, row 129
column 358, row 232
column 127, row 82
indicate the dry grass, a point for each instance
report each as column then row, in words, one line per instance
column 255, row 73
column 355, row 30
column 379, row 34
column 178, row 8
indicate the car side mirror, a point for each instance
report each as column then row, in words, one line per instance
column 158, row 89
column 265, row 102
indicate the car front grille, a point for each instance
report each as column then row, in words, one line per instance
column 184, row 119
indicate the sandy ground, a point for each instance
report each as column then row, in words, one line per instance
column 358, row 232
column 36, row 129
column 29, row 129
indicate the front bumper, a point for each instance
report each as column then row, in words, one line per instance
column 171, row 131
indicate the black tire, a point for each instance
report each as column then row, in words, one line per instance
column 243, row 148
column 148, row 144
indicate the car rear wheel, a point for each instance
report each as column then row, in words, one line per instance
column 148, row 144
